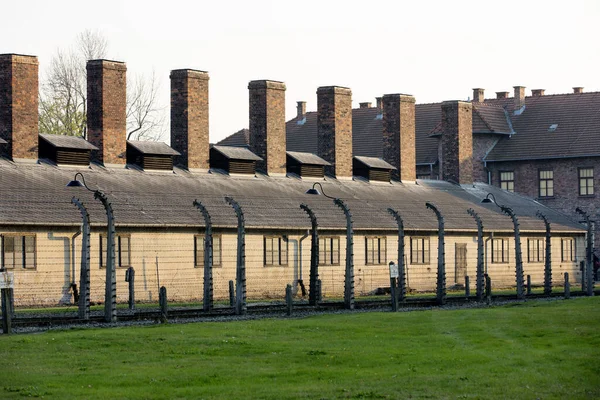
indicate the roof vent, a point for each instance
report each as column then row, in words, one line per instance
column 233, row 160
column 150, row 155
column 552, row 127
column 62, row 149
column 306, row 164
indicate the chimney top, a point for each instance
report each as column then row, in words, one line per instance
column 366, row 104
column 502, row 95
column 266, row 84
column 519, row 99
column 301, row 108
column 538, row 92
column 578, row 89
column 478, row 95
column 334, row 89
column 192, row 73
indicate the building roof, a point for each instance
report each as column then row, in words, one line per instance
column 237, row 153
column 307, row 158
column 156, row 148
column 68, row 142
column 240, row 138
column 38, row 196
column 374, row 162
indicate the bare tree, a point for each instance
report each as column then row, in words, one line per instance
column 63, row 94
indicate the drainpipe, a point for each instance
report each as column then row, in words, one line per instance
column 73, row 255
column 300, row 280
column 486, row 251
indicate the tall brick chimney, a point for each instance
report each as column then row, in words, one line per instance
column 578, row 90
column 301, row 108
column 366, row 104
column 334, row 129
column 502, row 95
column 457, row 142
column 189, row 118
column 267, row 125
column 519, row 97
column 537, row 92
column 399, row 135
column 379, row 103
column 106, row 110
column 19, row 105
column 478, row 95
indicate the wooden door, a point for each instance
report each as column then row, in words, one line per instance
column 460, row 263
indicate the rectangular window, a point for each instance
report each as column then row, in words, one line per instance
column 507, row 180
column 423, row 176
column 375, row 250
column 199, row 251
column 329, row 250
column 419, row 250
column 500, row 250
column 567, row 250
column 546, row 183
column 536, row 250
column 275, row 250
column 586, row 181
column 18, row 251
column 122, row 251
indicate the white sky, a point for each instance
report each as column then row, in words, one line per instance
column 434, row 50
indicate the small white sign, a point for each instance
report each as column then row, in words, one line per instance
column 7, row 280
column 394, row 270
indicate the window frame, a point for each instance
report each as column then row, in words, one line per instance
column 217, row 256
column 423, row 252
column 546, row 181
column 118, row 251
column 571, row 249
column 25, row 265
column 377, row 251
column 280, row 240
column 536, row 250
column 588, row 180
column 504, row 252
column 508, row 182
column 324, row 251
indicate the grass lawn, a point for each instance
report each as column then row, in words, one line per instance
column 533, row 350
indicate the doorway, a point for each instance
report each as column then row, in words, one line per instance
column 460, row 263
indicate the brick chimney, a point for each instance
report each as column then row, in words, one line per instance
column 478, row 95
column 457, row 142
column 267, row 125
column 519, row 97
column 19, row 105
column 189, row 118
column 379, row 103
column 399, row 135
column 106, row 110
column 334, row 129
column 537, row 92
column 502, row 95
column 366, row 104
column 301, row 107
column 578, row 90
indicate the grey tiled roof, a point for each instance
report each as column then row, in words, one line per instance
column 68, row 142
column 237, row 153
column 307, row 158
column 38, row 196
column 374, row 162
column 147, row 147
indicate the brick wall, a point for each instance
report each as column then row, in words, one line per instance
column 482, row 143
column 189, row 118
column 106, row 110
column 267, row 125
column 399, row 135
column 19, row 105
column 457, row 141
column 334, row 129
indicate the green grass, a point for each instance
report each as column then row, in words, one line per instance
column 532, row 350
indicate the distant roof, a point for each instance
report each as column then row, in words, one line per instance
column 68, row 142
column 240, row 138
column 237, row 153
column 307, row 158
column 374, row 162
column 158, row 148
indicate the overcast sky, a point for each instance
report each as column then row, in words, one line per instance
column 434, row 50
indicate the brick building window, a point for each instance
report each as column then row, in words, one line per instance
column 122, row 251
column 586, row 181
column 375, row 250
column 500, row 251
column 546, row 183
column 275, row 250
column 535, row 250
column 18, row 251
column 507, row 180
column 329, row 250
column 419, row 250
column 199, row 251
column 567, row 250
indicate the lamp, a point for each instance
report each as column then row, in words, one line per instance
column 315, row 191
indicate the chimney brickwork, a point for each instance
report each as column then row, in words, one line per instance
column 478, row 95
column 538, row 92
column 399, row 135
column 379, row 103
column 519, row 97
column 366, row 104
column 578, row 90
column 189, row 118
column 502, row 95
column 457, row 142
column 106, row 110
column 301, row 108
column 334, row 129
column 267, row 125
column 19, row 105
